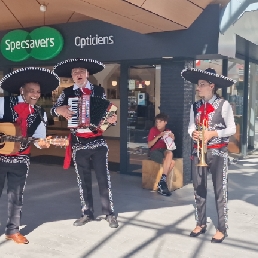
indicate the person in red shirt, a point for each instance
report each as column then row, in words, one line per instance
column 159, row 152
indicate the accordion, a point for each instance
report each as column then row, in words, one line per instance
column 90, row 113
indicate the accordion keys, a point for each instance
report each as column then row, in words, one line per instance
column 90, row 113
column 73, row 122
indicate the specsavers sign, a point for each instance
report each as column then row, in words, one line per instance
column 43, row 43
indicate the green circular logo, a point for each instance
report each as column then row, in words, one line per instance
column 14, row 45
column 43, row 43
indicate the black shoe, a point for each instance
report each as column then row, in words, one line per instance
column 214, row 240
column 111, row 219
column 83, row 220
column 163, row 189
column 196, row 234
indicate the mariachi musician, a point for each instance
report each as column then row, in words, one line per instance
column 211, row 120
column 22, row 110
column 85, row 144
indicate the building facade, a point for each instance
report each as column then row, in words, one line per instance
column 142, row 77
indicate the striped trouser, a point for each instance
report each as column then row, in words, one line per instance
column 16, row 174
column 99, row 157
column 217, row 161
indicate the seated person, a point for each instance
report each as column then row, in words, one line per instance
column 161, row 144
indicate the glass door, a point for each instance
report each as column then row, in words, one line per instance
column 143, row 103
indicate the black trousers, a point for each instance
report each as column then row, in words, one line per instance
column 217, row 161
column 99, row 157
column 16, row 174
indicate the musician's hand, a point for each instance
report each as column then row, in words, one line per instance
column 64, row 111
column 112, row 119
column 209, row 134
column 196, row 135
column 43, row 143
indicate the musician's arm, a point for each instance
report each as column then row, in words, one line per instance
column 228, row 115
column 1, row 107
column 105, row 97
column 41, row 131
column 60, row 102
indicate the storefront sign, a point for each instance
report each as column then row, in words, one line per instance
column 42, row 43
column 94, row 40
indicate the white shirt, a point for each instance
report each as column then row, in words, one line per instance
column 227, row 114
column 41, row 129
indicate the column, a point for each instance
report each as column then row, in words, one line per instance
column 176, row 97
column 124, row 156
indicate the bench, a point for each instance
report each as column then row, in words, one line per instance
column 152, row 171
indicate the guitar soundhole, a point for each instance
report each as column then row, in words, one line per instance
column 2, row 140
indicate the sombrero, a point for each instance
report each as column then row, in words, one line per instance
column 48, row 80
column 64, row 69
column 193, row 75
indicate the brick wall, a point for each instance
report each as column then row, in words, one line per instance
column 176, row 97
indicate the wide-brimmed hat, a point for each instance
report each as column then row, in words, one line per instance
column 64, row 69
column 193, row 75
column 48, row 80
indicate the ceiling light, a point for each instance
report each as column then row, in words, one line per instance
column 114, row 83
column 147, row 83
column 43, row 8
column 167, row 57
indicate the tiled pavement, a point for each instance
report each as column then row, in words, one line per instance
column 150, row 225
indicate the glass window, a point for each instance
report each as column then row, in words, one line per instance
column 109, row 78
column 253, row 107
column 143, row 104
column 235, row 98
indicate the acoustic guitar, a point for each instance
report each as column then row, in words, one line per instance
column 11, row 139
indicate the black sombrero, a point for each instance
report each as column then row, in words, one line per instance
column 193, row 75
column 48, row 80
column 64, row 69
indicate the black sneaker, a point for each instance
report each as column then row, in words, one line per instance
column 111, row 219
column 83, row 220
column 163, row 189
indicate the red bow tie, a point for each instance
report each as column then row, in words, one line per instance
column 86, row 91
column 205, row 111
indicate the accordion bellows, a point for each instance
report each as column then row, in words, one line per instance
column 100, row 110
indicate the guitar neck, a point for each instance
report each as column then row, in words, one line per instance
column 57, row 141
column 10, row 138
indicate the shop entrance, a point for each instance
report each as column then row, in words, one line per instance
column 143, row 104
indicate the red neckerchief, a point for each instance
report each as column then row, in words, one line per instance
column 23, row 110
